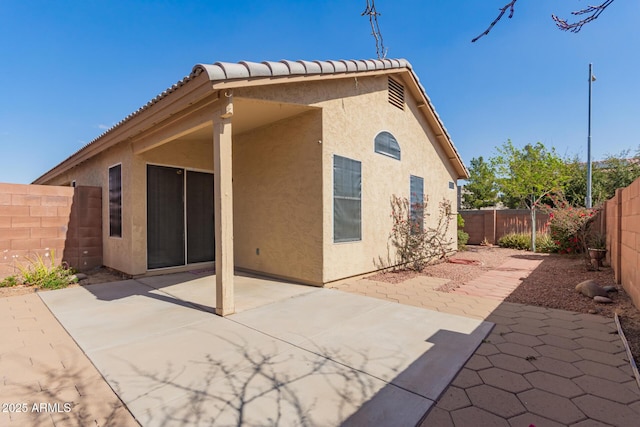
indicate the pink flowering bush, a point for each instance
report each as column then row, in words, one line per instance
column 569, row 226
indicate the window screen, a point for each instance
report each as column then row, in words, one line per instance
column 347, row 206
column 386, row 144
column 115, row 201
column 417, row 204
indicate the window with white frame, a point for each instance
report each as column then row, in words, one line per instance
column 385, row 143
column 115, row 201
column 416, row 207
column 347, row 200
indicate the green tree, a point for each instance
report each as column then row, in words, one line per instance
column 481, row 189
column 527, row 175
column 615, row 171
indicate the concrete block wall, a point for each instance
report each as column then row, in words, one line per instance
column 623, row 238
column 46, row 220
column 492, row 224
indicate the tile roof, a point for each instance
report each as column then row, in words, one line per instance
column 246, row 70
column 243, row 70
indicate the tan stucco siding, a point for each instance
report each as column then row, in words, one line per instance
column 350, row 125
column 191, row 154
column 277, row 184
column 95, row 172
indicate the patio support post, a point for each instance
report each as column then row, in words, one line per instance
column 223, row 205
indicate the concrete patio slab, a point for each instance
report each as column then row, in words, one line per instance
column 292, row 355
column 399, row 346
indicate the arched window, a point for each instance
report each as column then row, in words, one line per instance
column 386, row 144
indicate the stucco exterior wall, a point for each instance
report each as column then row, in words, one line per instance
column 283, row 180
column 277, row 180
column 117, row 251
column 355, row 110
column 350, row 128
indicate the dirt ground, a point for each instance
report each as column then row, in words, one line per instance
column 551, row 285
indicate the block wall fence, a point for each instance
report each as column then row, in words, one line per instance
column 622, row 223
column 39, row 219
column 494, row 223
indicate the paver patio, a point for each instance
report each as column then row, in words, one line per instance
column 41, row 364
column 539, row 366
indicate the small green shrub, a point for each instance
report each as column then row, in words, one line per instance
column 9, row 282
column 520, row 241
column 42, row 274
column 545, row 244
column 463, row 237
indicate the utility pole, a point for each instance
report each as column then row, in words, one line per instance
column 588, row 200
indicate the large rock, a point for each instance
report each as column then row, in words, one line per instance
column 591, row 289
column 603, row 300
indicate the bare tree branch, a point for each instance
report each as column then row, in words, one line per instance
column 574, row 27
column 593, row 12
column 373, row 14
column 509, row 6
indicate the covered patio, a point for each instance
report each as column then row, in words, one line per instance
column 199, row 141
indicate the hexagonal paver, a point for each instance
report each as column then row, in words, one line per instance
column 533, row 315
column 501, row 320
column 596, row 324
column 607, row 389
column 562, row 324
column 522, row 339
column 437, row 417
column 453, row 398
column 602, row 357
column 487, row 349
column 527, row 329
column 511, row 363
column 558, row 353
column 554, row 407
column 604, row 346
column 477, row 417
column 477, row 362
column 563, row 315
column 505, row 380
column 600, row 370
column 635, row 406
column 561, row 342
column 590, row 423
column 527, row 321
column 553, row 384
column 530, row 419
column 557, row 367
column 560, row 332
column 496, row 401
column 467, row 378
column 536, row 309
column 608, row 336
column 607, row 411
column 517, row 350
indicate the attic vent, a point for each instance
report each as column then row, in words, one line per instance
column 396, row 94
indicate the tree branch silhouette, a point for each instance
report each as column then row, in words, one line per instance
column 593, row 13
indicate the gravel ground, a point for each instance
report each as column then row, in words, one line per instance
column 551, row 285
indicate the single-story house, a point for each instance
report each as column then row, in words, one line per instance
column 281, row 168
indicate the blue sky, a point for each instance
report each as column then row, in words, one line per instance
column 71, row 69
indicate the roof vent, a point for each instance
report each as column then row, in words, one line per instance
column 396, row 94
